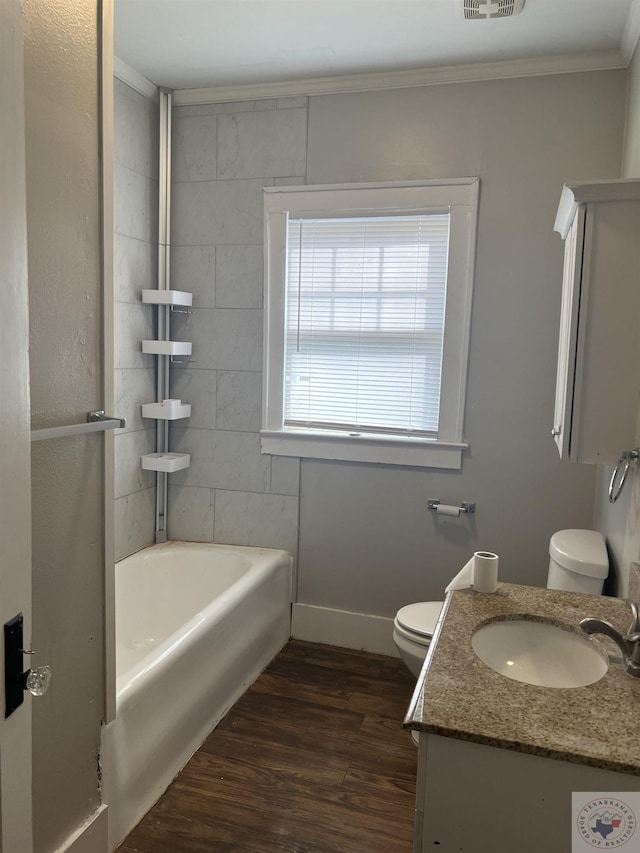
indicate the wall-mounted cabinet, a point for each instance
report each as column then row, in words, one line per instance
column 598, row 380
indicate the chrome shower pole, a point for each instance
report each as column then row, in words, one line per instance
column 163, row 333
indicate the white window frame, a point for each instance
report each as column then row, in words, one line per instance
column 457, row 196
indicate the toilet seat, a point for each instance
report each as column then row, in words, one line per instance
column 417, row 622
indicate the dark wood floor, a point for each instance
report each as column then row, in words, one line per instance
column 312, row 759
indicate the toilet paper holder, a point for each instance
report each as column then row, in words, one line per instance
column 466, row 506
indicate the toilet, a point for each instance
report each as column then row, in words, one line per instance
column 413, row 629
column 578, row 562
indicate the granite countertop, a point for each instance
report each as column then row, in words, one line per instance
column 459, row 696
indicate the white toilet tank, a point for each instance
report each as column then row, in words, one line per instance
column 578, row 561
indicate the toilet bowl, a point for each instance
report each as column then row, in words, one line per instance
column 578, row 563
column 413, row 629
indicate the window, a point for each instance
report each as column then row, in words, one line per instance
column 367, row 321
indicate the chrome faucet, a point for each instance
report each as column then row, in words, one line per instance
column 629, row 644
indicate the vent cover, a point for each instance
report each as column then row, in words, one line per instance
column 478, row 9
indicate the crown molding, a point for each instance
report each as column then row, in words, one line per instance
column 538, row 66
column 631, row 32
column 134, row 79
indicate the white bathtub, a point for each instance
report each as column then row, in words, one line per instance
column 195, row 625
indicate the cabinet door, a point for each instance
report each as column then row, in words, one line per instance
column 606, row 392
column 565, row 380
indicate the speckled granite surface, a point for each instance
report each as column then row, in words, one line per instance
column 457, row 695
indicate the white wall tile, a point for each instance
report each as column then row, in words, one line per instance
column 223, row 460
column 197, row 387
column 135, row 131
column 295, row 181
column 135, row 264
column 135, row 268
column 134, row 522
column 285, row 475
column 223, row 339
column 129, row 476
column 190, row 514
column 193, row 148
column 221, row 220
column 291, row 102
column 239, row 276
column 228, row 107
column 209, row 213
column 199, row 443
column 267, row 521
column 193, row 268
column 135, row 204
column 134, row 386
column 239, row 400
column 132, row 325
column 271, row 143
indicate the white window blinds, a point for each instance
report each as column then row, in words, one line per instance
column 364, row 328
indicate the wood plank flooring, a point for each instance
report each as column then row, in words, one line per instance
column 312, row 759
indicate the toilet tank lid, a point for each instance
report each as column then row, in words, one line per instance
column 421, row 618
column 580, row 551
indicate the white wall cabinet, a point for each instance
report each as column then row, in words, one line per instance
column 598, row 379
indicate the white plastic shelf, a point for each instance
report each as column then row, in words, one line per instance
column 167, row 347
column 167, row 297
column 168, row 410
column 167, row 462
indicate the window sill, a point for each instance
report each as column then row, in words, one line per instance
column 414, row 452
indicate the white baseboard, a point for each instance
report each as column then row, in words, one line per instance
column 343, row 628
column 90, row 837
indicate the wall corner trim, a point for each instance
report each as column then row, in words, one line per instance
column 475, row 72
column 126, row 74
column 90, row 837
column 343, row 628
column 631, row 33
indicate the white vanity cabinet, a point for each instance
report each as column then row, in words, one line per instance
column 598, row 379
column 499, row 758
column 473, row 798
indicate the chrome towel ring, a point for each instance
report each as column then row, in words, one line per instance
column 624, row 463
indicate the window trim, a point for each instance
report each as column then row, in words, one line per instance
column 460, row 197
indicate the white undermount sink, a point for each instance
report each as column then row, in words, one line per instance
column 539, row 653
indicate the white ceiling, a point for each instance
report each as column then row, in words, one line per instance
column 184, row 44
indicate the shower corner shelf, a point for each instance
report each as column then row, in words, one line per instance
column 167, row 347
column 167, row 297
column 166, row 462
column 168, row 410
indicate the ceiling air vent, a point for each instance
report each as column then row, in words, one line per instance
column 475, row 9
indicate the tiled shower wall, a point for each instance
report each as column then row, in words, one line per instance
column 223, row 155
column 135, row 264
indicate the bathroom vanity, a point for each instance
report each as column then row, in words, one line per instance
column 498, row 758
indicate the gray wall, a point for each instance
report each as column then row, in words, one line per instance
column 367, row 541
column 63, row 198
column 620, row 522
column 135, row 267
column 222, row 157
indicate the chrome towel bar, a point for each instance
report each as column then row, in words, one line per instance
column 96, row 422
